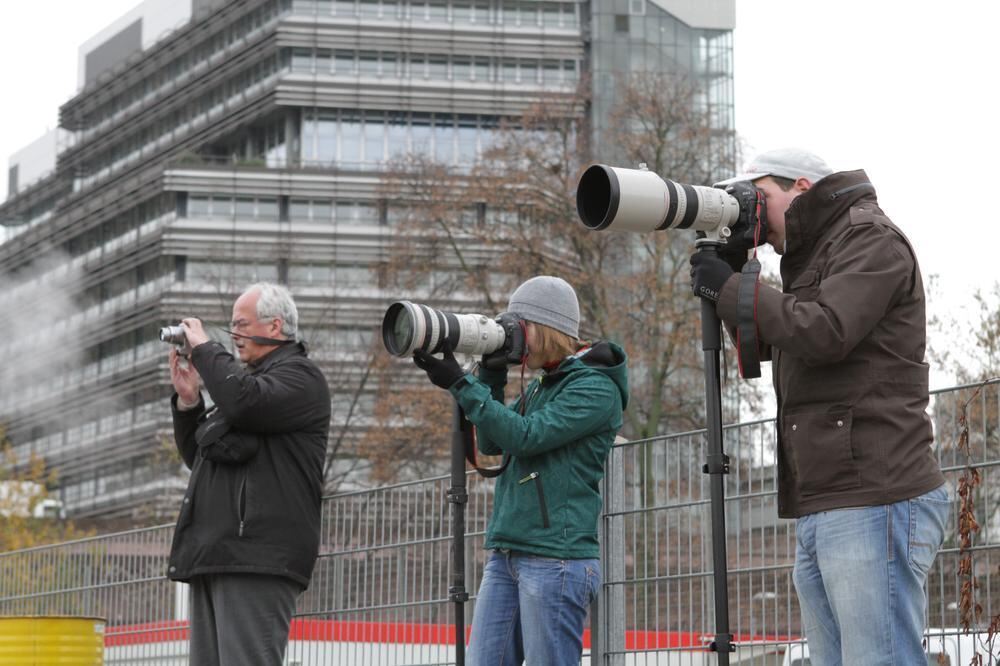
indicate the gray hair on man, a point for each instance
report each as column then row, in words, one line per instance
column 277, row 301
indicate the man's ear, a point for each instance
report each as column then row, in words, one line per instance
column 802, row 184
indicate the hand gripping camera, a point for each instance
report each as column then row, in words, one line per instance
column 408, row 326
column 174, row 335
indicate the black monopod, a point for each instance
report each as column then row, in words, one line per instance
column 717, row 465
column 638, row 200
column 458, row 497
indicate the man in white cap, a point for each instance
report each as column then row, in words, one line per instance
column 846, row 336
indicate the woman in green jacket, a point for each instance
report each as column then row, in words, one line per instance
column 543, row 569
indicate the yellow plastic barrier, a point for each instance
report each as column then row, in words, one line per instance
column 51, row 641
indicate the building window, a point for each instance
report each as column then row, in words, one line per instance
column 365, row 140
column 621, row 23
column 302, row 60
column 346, row 8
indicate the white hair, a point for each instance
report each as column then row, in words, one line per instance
column 276, row 301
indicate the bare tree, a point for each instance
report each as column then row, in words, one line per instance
column 23, row 485
column 514, row 216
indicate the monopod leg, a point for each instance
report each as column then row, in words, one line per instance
column 717, row 467
column 458, row 497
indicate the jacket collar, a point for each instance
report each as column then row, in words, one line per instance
column 282, row 352
column 812, row 213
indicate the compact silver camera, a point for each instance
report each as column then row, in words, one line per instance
column 174, row 335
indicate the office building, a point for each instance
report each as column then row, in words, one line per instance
column 212, row 144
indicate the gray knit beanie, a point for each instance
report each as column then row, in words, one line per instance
column 550, row 301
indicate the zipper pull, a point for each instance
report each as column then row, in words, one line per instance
column 241, row 528
column 533, row 475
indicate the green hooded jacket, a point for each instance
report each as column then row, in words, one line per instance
column 547, row 501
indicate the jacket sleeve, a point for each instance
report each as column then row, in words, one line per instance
column 285, row 398
column 185, row 425
column 727, row 304
column 583, row 406
column 861, row 281
column 496, row 380
column 232, row 452
column 221, row 443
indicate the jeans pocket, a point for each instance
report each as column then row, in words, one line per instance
column 941, row 494
column 594, row 580
column 581, row 582
column 929, row 518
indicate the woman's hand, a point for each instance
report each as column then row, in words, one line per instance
column 442, row 372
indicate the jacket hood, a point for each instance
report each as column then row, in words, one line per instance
column 810, row 214
column 607, row 358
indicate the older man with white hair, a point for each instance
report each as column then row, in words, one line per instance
column 247, row 535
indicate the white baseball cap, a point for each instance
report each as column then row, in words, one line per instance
column 790, row 163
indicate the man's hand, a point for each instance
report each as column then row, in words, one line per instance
column 194, row 331
column 442, row 372
column 708, row 273
column 186, row 381
column 734, row 257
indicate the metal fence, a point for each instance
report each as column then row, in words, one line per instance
column 379, row 593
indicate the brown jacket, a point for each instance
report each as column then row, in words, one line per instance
column 846, row 337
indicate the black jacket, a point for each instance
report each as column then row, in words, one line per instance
column 253, row 501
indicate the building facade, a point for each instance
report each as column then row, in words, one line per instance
column 214, row 144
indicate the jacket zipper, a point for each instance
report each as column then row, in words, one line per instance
column 847, row 190
column 541, row 496
column 241, row 505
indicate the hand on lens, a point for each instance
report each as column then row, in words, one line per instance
column 442, row 372
column 708, row 273
column 495, row 360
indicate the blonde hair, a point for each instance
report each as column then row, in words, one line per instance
column 554, row 345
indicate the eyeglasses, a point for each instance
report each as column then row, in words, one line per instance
column 244, row 324
column 240, row 324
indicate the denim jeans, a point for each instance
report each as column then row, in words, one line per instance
column 532, row 609
column 860, row 576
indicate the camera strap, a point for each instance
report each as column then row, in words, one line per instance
column 747, row 335
column 470, row 440
column 747, row 341
column 470, row 456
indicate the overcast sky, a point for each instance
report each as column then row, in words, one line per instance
column 904, row 90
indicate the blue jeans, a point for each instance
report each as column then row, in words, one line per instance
column 860, row 576
column 532, row 609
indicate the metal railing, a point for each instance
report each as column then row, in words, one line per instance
column 379, row 593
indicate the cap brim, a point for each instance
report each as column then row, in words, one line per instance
column 743, row 176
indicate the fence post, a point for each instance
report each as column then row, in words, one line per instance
column 607, row 619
